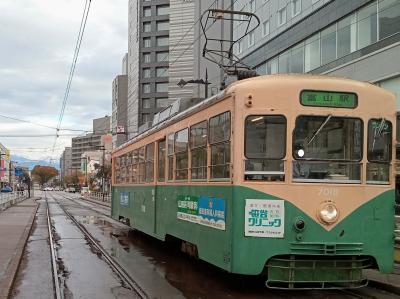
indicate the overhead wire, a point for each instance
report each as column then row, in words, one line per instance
column 73, row 65
column 39, row 124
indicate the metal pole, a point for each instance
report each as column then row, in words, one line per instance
column 103, row 179
column 206, row 85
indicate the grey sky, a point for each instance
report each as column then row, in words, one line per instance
column 37, row 45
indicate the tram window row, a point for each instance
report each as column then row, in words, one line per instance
column 210, row 137
column 202, row 152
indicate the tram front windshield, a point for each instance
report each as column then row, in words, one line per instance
column 327, row 148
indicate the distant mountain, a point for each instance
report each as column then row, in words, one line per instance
column 24, row 162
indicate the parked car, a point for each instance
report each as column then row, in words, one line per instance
column 6, row 189
column 48, row 189
column 70, row 189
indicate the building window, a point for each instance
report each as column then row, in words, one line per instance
column 282, row 16
column 251, row 39
column 347, row 36
column 389, row 18
column 162, row 41
column 146, row 73
column 162, row 56
column 162, row 102
column 297, row 59
column 147, row 27
column 146, row 88
column 162, row 72
column 162, row 25
column 147, row 57
column 147, row 11
column 367, row 25
column 146, row 103
column 146, row 117
column 162, row 10
column 328, row 44
column 283, row 61
column 312, row 53
column 265, row 27
column 147, row 42
column 296, row 7
column 252, row 6
column 240, row 46
column 161, row 87
column 272, row 66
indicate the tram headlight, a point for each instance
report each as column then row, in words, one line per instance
column 328, row 213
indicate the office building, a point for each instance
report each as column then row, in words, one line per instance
column 165, row 46
column 358, row 39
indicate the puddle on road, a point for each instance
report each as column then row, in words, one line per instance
column 92, row 219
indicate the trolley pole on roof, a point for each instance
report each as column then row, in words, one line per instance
column 182, row 83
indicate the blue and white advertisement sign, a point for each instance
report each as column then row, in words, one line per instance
column 124, row 199
column 212, row 212
column 264, row 218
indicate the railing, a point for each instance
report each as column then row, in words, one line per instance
column 106, row 197
column 11, row 198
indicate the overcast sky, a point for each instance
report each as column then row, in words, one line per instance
column 37, row 45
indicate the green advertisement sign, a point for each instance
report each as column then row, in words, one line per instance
column 188, row 208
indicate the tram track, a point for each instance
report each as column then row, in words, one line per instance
column 364, row 293
column 127, row 280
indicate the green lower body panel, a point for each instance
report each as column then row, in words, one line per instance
column 363, row 239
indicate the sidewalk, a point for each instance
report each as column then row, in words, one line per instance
column 15, row 226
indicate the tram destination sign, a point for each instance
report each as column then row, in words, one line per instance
column 328, row 99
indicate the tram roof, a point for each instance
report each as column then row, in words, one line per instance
column 295, row 79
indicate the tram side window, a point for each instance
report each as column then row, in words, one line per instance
column 135, row 166
column 198, row 146
column 122, row 169
column 170, row 144
column 128, row 168
column 116, row 171
column 150, row 162
column 142, row 165
column 220, row 131
column 265, row 147
column 181, row 154
column 379, row 151
column 161, row 160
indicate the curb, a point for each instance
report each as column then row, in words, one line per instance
column 10, row 274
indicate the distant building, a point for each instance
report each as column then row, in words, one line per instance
column 101, row 126
column 91, row 142
column 5, row 159
column 125, row 64
column 119, row 123
column 65, row 163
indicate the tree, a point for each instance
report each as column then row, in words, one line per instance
column 42, row 174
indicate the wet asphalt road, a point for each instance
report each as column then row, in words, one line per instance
column 158, row 268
